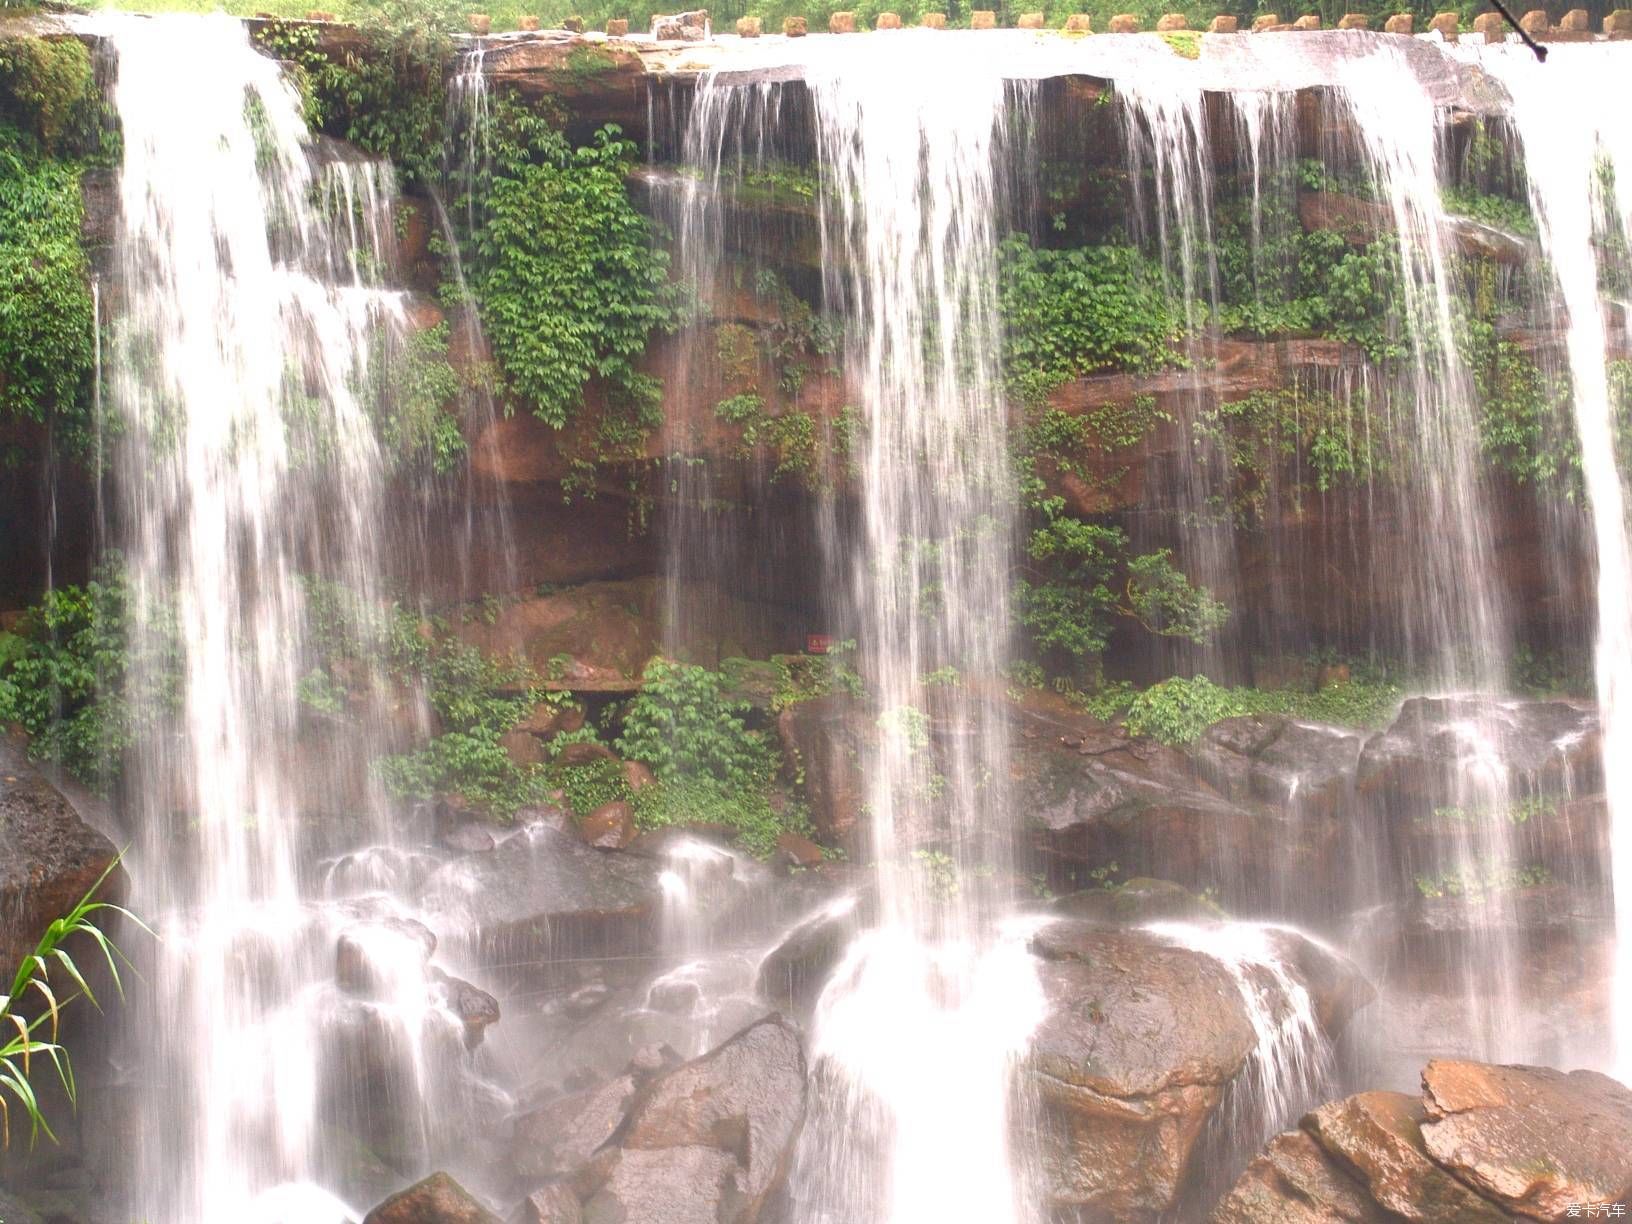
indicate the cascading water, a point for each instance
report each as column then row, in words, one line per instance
column 916, row 1032
column 243, row 329
column 1578, row 163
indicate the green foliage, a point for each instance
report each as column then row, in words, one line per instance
column 1482, row 881
column 49, row 90
column 32, row 984
column 756, row 816
column 1179, row 709
column 683, row 726
column 804, row 677
column 1285, row 442
column 1183, row 43
column 89, row 672
column 591, row 785
column 790, row 438
column 47, row 324
column 1523, row 811
column 411, row 394
column 386, row 97
column 477, row 698
column 1499, row 211
column 1071, row 312
column 569, row 282
column 1080, row 578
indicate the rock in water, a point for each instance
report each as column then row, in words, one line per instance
column 1536, row 1140
column 684, row 27
column 1294, row 1182
column 49, row 857
column 436, row 1200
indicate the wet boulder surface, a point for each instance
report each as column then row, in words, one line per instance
column 49, row 857
column 1141, row 1039
column 1481, row 1143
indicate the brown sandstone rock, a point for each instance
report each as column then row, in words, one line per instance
column 49, row 858
column 1223, row 24
column 1294, row 1181
column 1309, row 21
column 820, row 737
column 794, row 27
column 1378, row 1136
column 1618, row 22
column 1535, row 22
column 888, row 21
column 1123, row 23
column 1534, row 1139
column 983, row 19
column 1576, row 21
column 932, row 21
column 436, row 1200
column 1399, row 23
column 1139, row 1040
column 1354, row 21
column 1171, row 21
column 1492, row 27
column 609, row 827
column 554, row 1204
column 1078, row 23
column 480, row 24
column 617, row 27
column 573, row 25
column 681, row 27
column 559, row 1138
column 1446, row 23
column 841, row 23
column 748, row 27
column 1029, row 21
column 527, row 23
column 1265, row 21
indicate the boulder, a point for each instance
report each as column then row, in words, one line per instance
column 370, row 957
column 473, row 1007
column 1224, row 24
column 560, row 1137
column 436, row 1200
column 49, row 857
column 821, row 740
column 1132, row 1059
column 793, row 973
column 542, row 893
column 685, row 1185
column 1378, row 1135
column 683, row 27
column 609, row 827
column 1142, row 1036
column 1293, row 1181
column 1123, row 23
column 745, row 1099
column 1533, row 1139
column 554, row 1204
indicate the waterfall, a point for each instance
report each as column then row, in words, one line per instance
column 244, row 319
column 1578, row 163
column 916, row 1032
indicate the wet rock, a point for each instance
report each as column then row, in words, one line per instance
column 685, row 1185
column 1378, row 1135
column 370, row 957
column 1294, row 1181
column 586, row 1000
column 820, row 738
column 1437, row 740
column 609, row 827
column 1273, row 759
column 49, row 857
column 1136, row 902
column 469, row 839
column 1534, row 1139
column 14, row 1211
column 560, row 1137
column 744, row 1100
column 555, row 1204
column 1131, row 1060
column 1140, row 1039
column 685, row 27
column 652, row 1060
column 436, row 1200
column 542, row 893
column 676, row 995
column 793, row 973
column 797, row 851
column 475, row 1009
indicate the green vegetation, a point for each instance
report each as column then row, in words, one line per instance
column 477, row 698
column 1499, row 211
column 47, row 323
column 790, row 438
column 1179, row 710
column 88, row 672
column 564, row 269
column 411, row 393
column 1278, row 445
column 1483, row 881
column 1523, row 811
column 33, row 1035
column 1070, row 312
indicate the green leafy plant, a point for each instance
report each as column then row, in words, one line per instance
column 36, row 1035
column 91, row 670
